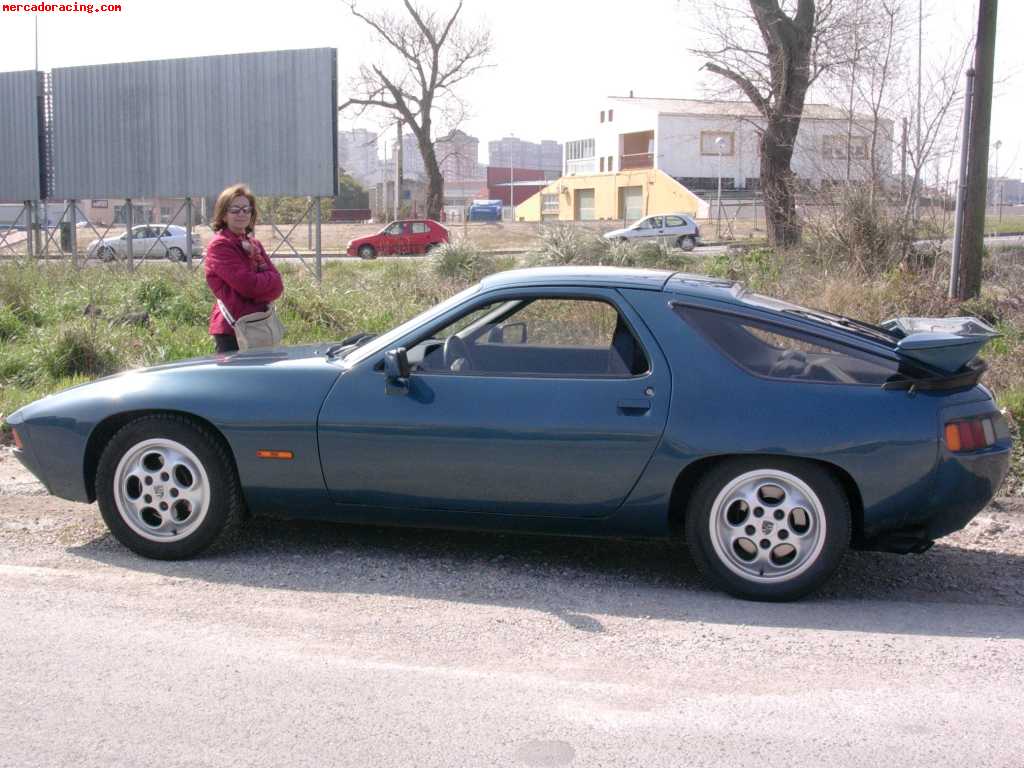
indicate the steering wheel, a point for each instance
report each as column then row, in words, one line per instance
column 457, row 349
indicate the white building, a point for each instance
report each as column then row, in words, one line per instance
column 694, row 141
column 357, row 154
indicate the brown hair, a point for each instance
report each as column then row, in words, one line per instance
column 220, row 209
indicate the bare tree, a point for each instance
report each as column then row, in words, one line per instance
column 431, row 54
column 773, row 56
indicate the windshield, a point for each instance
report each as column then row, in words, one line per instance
column 386, row 341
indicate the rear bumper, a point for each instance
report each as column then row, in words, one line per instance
column 964, row 485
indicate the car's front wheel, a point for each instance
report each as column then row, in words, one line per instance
column 686, row 242
column 768, row 529
column 367, row 252
column 167, row 488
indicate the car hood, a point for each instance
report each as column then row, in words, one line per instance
column 120, row 385
column 617, row 232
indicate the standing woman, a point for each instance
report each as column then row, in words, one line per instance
column 238, row 270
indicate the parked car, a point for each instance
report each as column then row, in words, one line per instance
column 153, row 241
column 598, row 401
column 673, row 229
column 400, row 238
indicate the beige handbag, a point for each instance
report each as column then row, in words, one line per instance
column 257, row 329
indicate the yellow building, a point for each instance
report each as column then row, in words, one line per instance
column 626, row 195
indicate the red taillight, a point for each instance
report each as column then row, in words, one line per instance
column 970, row 435
column 17, row 440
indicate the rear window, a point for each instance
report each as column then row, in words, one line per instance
column 777, row 352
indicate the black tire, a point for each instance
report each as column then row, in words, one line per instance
column 367, row 252
column 175, row 254
column 106, row 253
column 220, row 514
column 818, row 540
column 686, row 242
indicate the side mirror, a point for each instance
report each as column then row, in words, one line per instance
column 396, row 370
column 513, row 333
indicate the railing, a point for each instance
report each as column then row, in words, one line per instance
column 632, row 162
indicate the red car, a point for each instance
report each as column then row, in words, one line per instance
column 399, row 238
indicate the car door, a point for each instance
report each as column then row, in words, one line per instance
column 567, row 442
column 391, row 240
column 419, row 237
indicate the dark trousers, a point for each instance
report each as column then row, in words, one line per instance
column 225, row 342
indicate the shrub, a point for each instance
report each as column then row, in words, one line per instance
column 77, row 352
column 10, row 324
column 462, row 261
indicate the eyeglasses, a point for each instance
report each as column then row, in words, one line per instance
column 246, row 210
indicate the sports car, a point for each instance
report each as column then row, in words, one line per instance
column 768, row 437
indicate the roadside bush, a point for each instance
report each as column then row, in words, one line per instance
column 567, row 244
column 76, row 351
column 155, row 294
column 10, row 323
column 461, row 261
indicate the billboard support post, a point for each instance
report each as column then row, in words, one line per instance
column 188, row 230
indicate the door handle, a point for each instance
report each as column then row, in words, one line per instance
column 634, row 406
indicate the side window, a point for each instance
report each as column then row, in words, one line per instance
column 656, row 222
column 419, row 228
column 778, row 352
column 645, row 224
column 394, row 229
column 543, row 336
column 675, row 221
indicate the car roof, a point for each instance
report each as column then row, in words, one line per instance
column 615, row 277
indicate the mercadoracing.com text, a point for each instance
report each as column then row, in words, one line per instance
column 60, row 8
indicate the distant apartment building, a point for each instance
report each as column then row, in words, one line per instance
column 648, row 156
column 357, row 154
column 514, row 152
column 458, row 156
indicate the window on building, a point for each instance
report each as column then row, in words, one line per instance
column 586, row 209
column 549, row 203
column 610, row 168
column 602, row 115
column 715, row 142
column 602, row 165
column 611, row 112
column 834, row 147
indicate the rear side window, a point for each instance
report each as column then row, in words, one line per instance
column 419, row 228
column 778, row 352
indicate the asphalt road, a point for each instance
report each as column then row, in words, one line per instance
column 308, row 644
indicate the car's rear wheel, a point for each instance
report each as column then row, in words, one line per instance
column 175, row 254
column 167, row 488
column 686, row 242
column 367, row 252
column 768, row 529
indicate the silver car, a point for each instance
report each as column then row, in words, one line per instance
column 158, row 241
column 671, row 228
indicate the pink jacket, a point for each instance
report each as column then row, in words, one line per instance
column 244, row 283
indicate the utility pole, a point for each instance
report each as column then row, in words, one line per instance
column 969, row 278
column 398, row 171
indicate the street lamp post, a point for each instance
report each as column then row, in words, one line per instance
column 719, row 142
column 511, row 184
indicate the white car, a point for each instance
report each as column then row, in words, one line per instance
column 160, row 241
column 673, row 228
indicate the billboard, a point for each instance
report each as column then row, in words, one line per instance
column 181, row 127
column 19, row 135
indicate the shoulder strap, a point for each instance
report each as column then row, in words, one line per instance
column 224, row 311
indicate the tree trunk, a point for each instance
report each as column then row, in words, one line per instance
column 435, row 181
column 777, row 181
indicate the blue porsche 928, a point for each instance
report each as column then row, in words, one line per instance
column 591, row 401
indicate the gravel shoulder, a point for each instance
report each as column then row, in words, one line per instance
column 319, row 644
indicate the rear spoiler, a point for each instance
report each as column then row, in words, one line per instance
column 965, row 378
column 947, row 344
